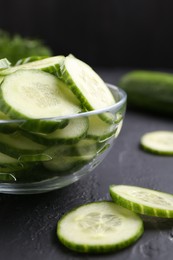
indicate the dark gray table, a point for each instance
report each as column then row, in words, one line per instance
column 28, row 222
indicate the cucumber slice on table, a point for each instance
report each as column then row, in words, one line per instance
column 99, row 227
column 86, row 84
column 158, row 142
column 142, row 200
column 50, row 64
column 39, row 95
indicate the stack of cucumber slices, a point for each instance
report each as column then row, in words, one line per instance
column 106, row 226
column 43, row 105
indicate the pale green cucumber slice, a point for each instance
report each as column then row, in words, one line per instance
column 142, row 200
column 66, row 163
column 29, row 59
column 72, row 133
column 50, row 64
column 71, row 157
column 87, row 148
column 86, row 84
column 39, row 95
column 100, row 130
column 99, row 227
column 158, row 142
column 16, row 145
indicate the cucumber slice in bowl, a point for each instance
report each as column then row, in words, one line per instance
column 16, row 145
column 50, row 64
column 99, row 227
column 69, row 158
column 86, row 84
column 142, row 200
column 100, row 130
column 158, row 142
column 39, row 95
column 6, row 126
column 75, row 130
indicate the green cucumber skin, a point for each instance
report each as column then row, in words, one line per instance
column 47, row 139
column 98, row 249
column 149, row 90
column 135, row 207
column 154, row 151
column 43, row 126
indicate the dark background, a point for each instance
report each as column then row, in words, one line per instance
column 110, row 33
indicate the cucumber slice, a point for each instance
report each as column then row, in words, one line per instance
column 39, row 95
column 86, row 84
column 51, row 65
column 99, row 129
column 99, row 227
column 158, row 142
column 67, row 158
column 72, row 133
column 16, row 145
column 144, row 201
column 29, row 59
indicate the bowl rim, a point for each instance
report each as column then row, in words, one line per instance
column 122, row 95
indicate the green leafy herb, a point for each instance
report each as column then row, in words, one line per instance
column 16, row 47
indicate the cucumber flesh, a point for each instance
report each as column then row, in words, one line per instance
column 158, row 142
column 99, row 227
column 142, row 200
column 86, row 84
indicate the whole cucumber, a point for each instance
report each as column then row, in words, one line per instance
column 149, row 91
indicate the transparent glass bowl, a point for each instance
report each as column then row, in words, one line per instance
column 35, row 163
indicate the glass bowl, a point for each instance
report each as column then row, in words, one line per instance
column 32, row 162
